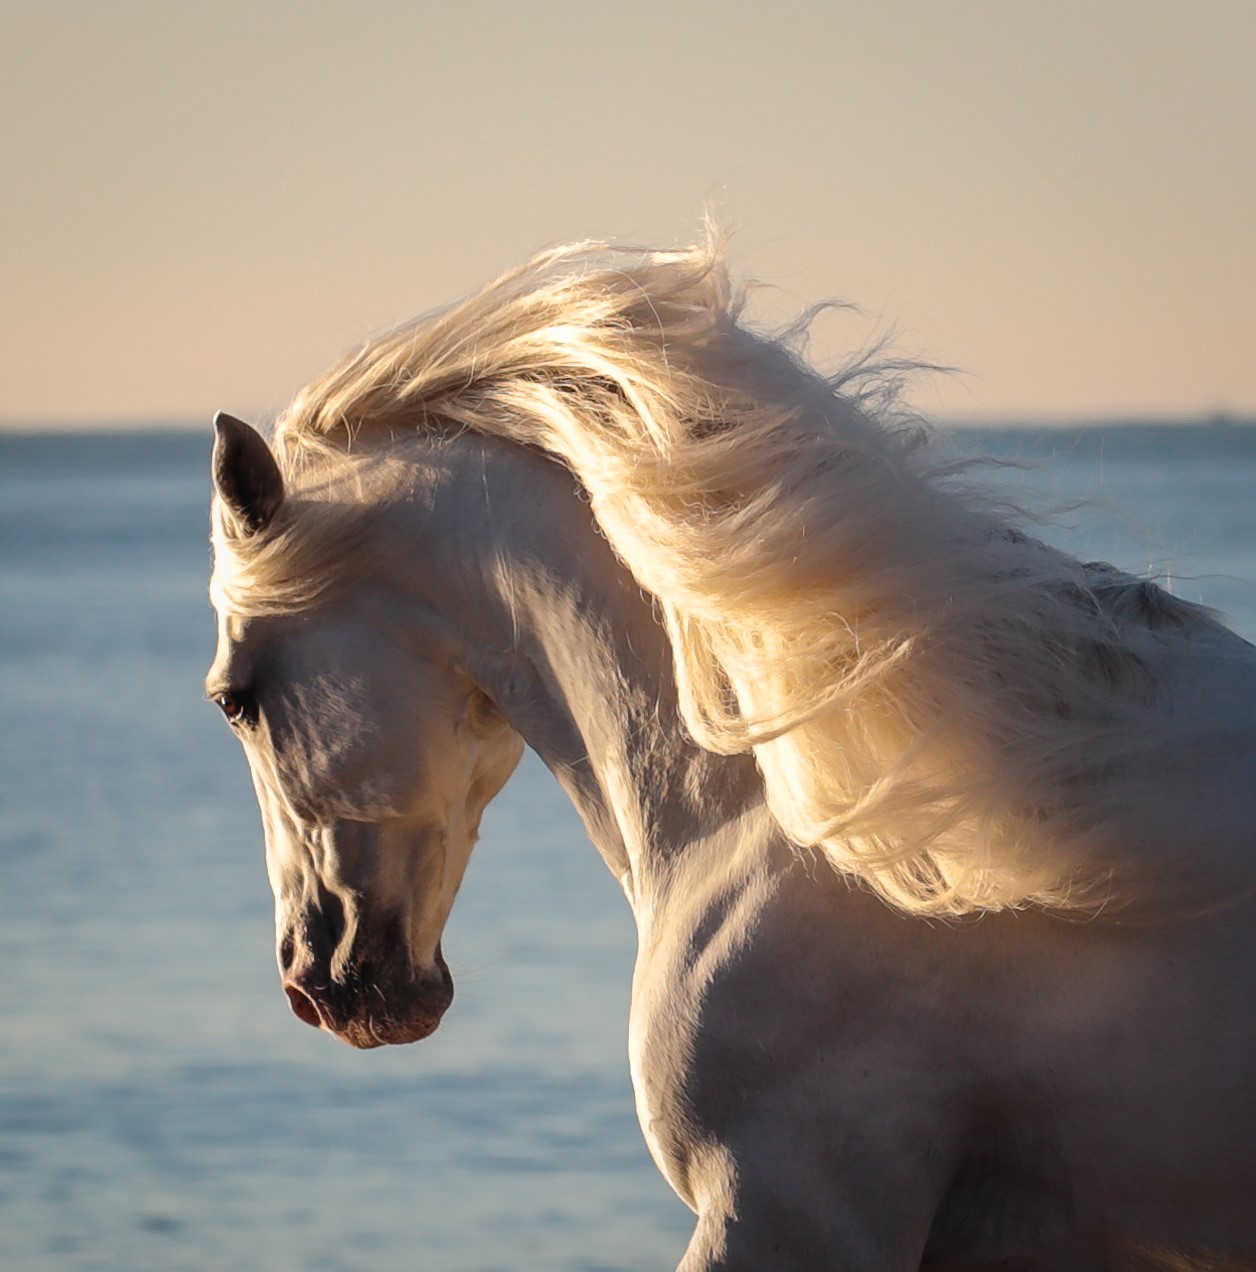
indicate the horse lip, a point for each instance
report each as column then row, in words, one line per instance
column 367, row 1032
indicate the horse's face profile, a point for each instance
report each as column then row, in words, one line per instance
column 372, row 769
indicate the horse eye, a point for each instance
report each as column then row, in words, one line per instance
column 233, row 706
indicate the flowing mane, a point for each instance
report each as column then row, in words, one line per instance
column 946, row 707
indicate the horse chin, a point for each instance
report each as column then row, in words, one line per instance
column 370, row 1032
column 396, row 1014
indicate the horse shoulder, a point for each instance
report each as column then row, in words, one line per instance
column 792, row 1087
column 815, row 1073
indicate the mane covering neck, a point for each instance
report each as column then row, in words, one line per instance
column 950, row 710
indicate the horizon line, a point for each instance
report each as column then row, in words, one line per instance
column 66, row 425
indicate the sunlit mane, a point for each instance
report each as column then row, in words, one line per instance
column 946, row 707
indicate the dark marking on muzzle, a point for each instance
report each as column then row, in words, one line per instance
column 374, row 998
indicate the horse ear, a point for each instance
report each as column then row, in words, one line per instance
column 246, row 476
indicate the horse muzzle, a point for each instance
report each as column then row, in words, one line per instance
column 371, row 1005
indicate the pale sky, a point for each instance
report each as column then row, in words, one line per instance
column 205, row 203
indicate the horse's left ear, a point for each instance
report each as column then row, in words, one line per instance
column 246, row 476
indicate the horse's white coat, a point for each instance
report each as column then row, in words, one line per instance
column 828, row 1083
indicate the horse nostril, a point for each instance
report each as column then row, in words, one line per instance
column 303, row 1006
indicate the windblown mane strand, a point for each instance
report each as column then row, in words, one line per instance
column 944, row 706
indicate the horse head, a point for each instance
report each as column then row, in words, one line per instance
column 372, row 769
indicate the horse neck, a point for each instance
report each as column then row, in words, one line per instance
column 562, row 638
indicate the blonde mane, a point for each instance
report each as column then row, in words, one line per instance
column 946, row 707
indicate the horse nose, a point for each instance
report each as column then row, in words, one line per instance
column 303, row 1006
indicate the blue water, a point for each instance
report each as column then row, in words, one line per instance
column 159, row 1106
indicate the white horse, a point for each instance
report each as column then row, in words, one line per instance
column 938, row 841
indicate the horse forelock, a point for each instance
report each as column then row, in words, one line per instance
column 324, row 538
column 945, row 706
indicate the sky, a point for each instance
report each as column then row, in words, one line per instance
column 204, row 204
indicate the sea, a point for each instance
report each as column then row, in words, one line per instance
column 160, row 1107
